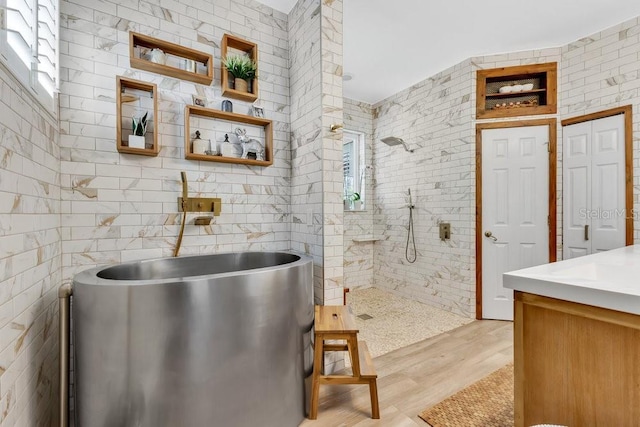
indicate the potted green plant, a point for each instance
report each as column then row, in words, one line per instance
column 353, row 202
column 242, row 68
column 139, row 127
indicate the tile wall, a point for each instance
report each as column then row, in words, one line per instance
column 29, row 258
column 331, row 160
column 120, row 207
column 315, row 29
column 306, row 139
column 435, row 118
column 594, row 73
column 358, row 256
column 600, row 72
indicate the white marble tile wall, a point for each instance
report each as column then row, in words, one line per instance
column 435, row 118
column 332, row 203
column 29, row 258
column 123, row 207
column 600, row 72
column 306, row 141
column 315, row 31
column 358, row 256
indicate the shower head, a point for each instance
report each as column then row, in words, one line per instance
column 394, row 140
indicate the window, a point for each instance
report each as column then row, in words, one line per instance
column 29, row 45
column 353, row 169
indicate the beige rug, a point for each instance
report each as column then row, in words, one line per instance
column 486, row 403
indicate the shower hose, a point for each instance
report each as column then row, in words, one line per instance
column 411, row 234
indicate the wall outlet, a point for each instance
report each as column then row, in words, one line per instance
column 445, row 231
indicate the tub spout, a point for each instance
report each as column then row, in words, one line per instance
column 182, row 203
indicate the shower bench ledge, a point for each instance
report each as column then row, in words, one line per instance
column 365, row 239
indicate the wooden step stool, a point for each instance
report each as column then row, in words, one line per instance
column 337, row 323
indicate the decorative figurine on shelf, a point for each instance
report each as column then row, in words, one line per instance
column 249, row 145
column 257, row 110
column 158, row 56
column 139, row 127
column 227, row 106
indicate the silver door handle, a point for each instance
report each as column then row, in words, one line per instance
column 586, row 232
column 490, row 235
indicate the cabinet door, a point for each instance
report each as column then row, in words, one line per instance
column 593, row 186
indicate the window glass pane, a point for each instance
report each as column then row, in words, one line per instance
column 353, row 170
column 349, row 166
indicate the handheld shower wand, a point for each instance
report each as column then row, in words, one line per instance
column 410, row 233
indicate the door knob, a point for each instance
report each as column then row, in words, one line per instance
column 490, row 235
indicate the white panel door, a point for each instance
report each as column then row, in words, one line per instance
column 515, row 207
column 576, row 176
column 608, row 184
column 593, row 186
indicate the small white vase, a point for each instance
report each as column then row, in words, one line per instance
column 200, row 146
column 136, row 141
column 158, row 56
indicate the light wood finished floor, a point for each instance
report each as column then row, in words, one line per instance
column 413, row 378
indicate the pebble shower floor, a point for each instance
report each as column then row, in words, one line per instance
column 388, row 322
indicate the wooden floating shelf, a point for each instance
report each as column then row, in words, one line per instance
column 251, row 49
column 514, row 94
column 242, row 96
column 123, row 83
column 141, row 40
column 196, row 111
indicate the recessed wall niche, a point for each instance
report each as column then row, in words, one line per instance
column 213, row 125
column 516, row 91
column 162, row 57
column 134, row 99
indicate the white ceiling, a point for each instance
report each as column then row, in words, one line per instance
column 391, row 45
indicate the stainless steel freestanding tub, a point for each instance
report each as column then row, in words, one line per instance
column 215, row 340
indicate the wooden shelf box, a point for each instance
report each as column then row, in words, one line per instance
column 542, row 99
column 215, row 132
column 251, row 49
column 134, row 98
column 177, row 57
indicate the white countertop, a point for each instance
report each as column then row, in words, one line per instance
column 607, row 279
